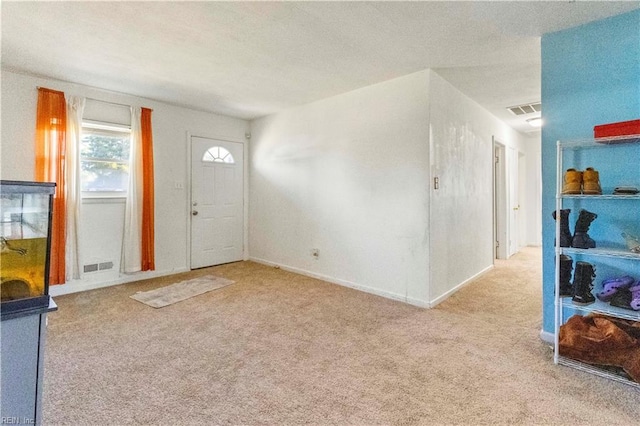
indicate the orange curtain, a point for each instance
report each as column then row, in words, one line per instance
column 147, row 244
column 51, row 122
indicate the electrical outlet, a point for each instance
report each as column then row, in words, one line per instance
column 315, row 253
column 178, row 185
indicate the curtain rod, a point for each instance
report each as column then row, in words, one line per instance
column 114, row 103
column 108, row 102
column 99, row 100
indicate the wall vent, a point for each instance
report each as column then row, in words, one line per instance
column 105, row 265
column 526, row 108
column 91, row 268
column 94, row 267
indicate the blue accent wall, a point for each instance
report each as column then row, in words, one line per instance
column 591, row 76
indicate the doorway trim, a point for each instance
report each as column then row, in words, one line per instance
column 245, row 191
column 500, row 219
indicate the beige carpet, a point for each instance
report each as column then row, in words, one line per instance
column 277, row 348
column 174, row 293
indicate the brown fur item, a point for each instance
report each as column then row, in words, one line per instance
column 602, row 340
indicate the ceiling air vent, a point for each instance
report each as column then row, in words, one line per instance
column 525, row 109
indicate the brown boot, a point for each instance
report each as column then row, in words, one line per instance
column 572, row 182
column 591, row 182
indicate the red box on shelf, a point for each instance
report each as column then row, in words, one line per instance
column 612, row 130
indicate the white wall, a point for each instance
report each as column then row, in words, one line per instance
column 102, row 222
column 462, row 208
column 349, row 176
column 353, row 177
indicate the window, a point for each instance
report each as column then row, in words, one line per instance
column 218, row 154
column 104, row 158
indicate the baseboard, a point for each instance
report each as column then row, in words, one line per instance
column 344, row 283
column 449, row 293
column 547, row 337
column 78, row 286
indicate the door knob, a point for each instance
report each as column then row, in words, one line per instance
column 195, row 213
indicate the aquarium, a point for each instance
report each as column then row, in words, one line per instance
column 25, row 235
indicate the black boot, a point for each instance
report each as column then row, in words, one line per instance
column 583, row 283
column 565, row 233
column 566, row 265
column 580, row 238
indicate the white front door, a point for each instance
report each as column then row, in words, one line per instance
column 216, row 202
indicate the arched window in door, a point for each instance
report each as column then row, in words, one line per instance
column 218, row 154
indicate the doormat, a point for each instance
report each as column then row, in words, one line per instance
column 165, row 296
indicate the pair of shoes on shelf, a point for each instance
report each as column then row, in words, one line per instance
column 621, row 292
column 628, row 298
column 582, row 182
column 625, row 190
column 611, row 286
column 580, row 290
column 580, row 237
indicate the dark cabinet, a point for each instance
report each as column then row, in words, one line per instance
column 25, row 235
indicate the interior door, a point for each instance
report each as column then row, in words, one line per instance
column 523, row 212
column 217, row 226
column 514, row 202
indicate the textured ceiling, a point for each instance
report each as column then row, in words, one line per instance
column 248, row 59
